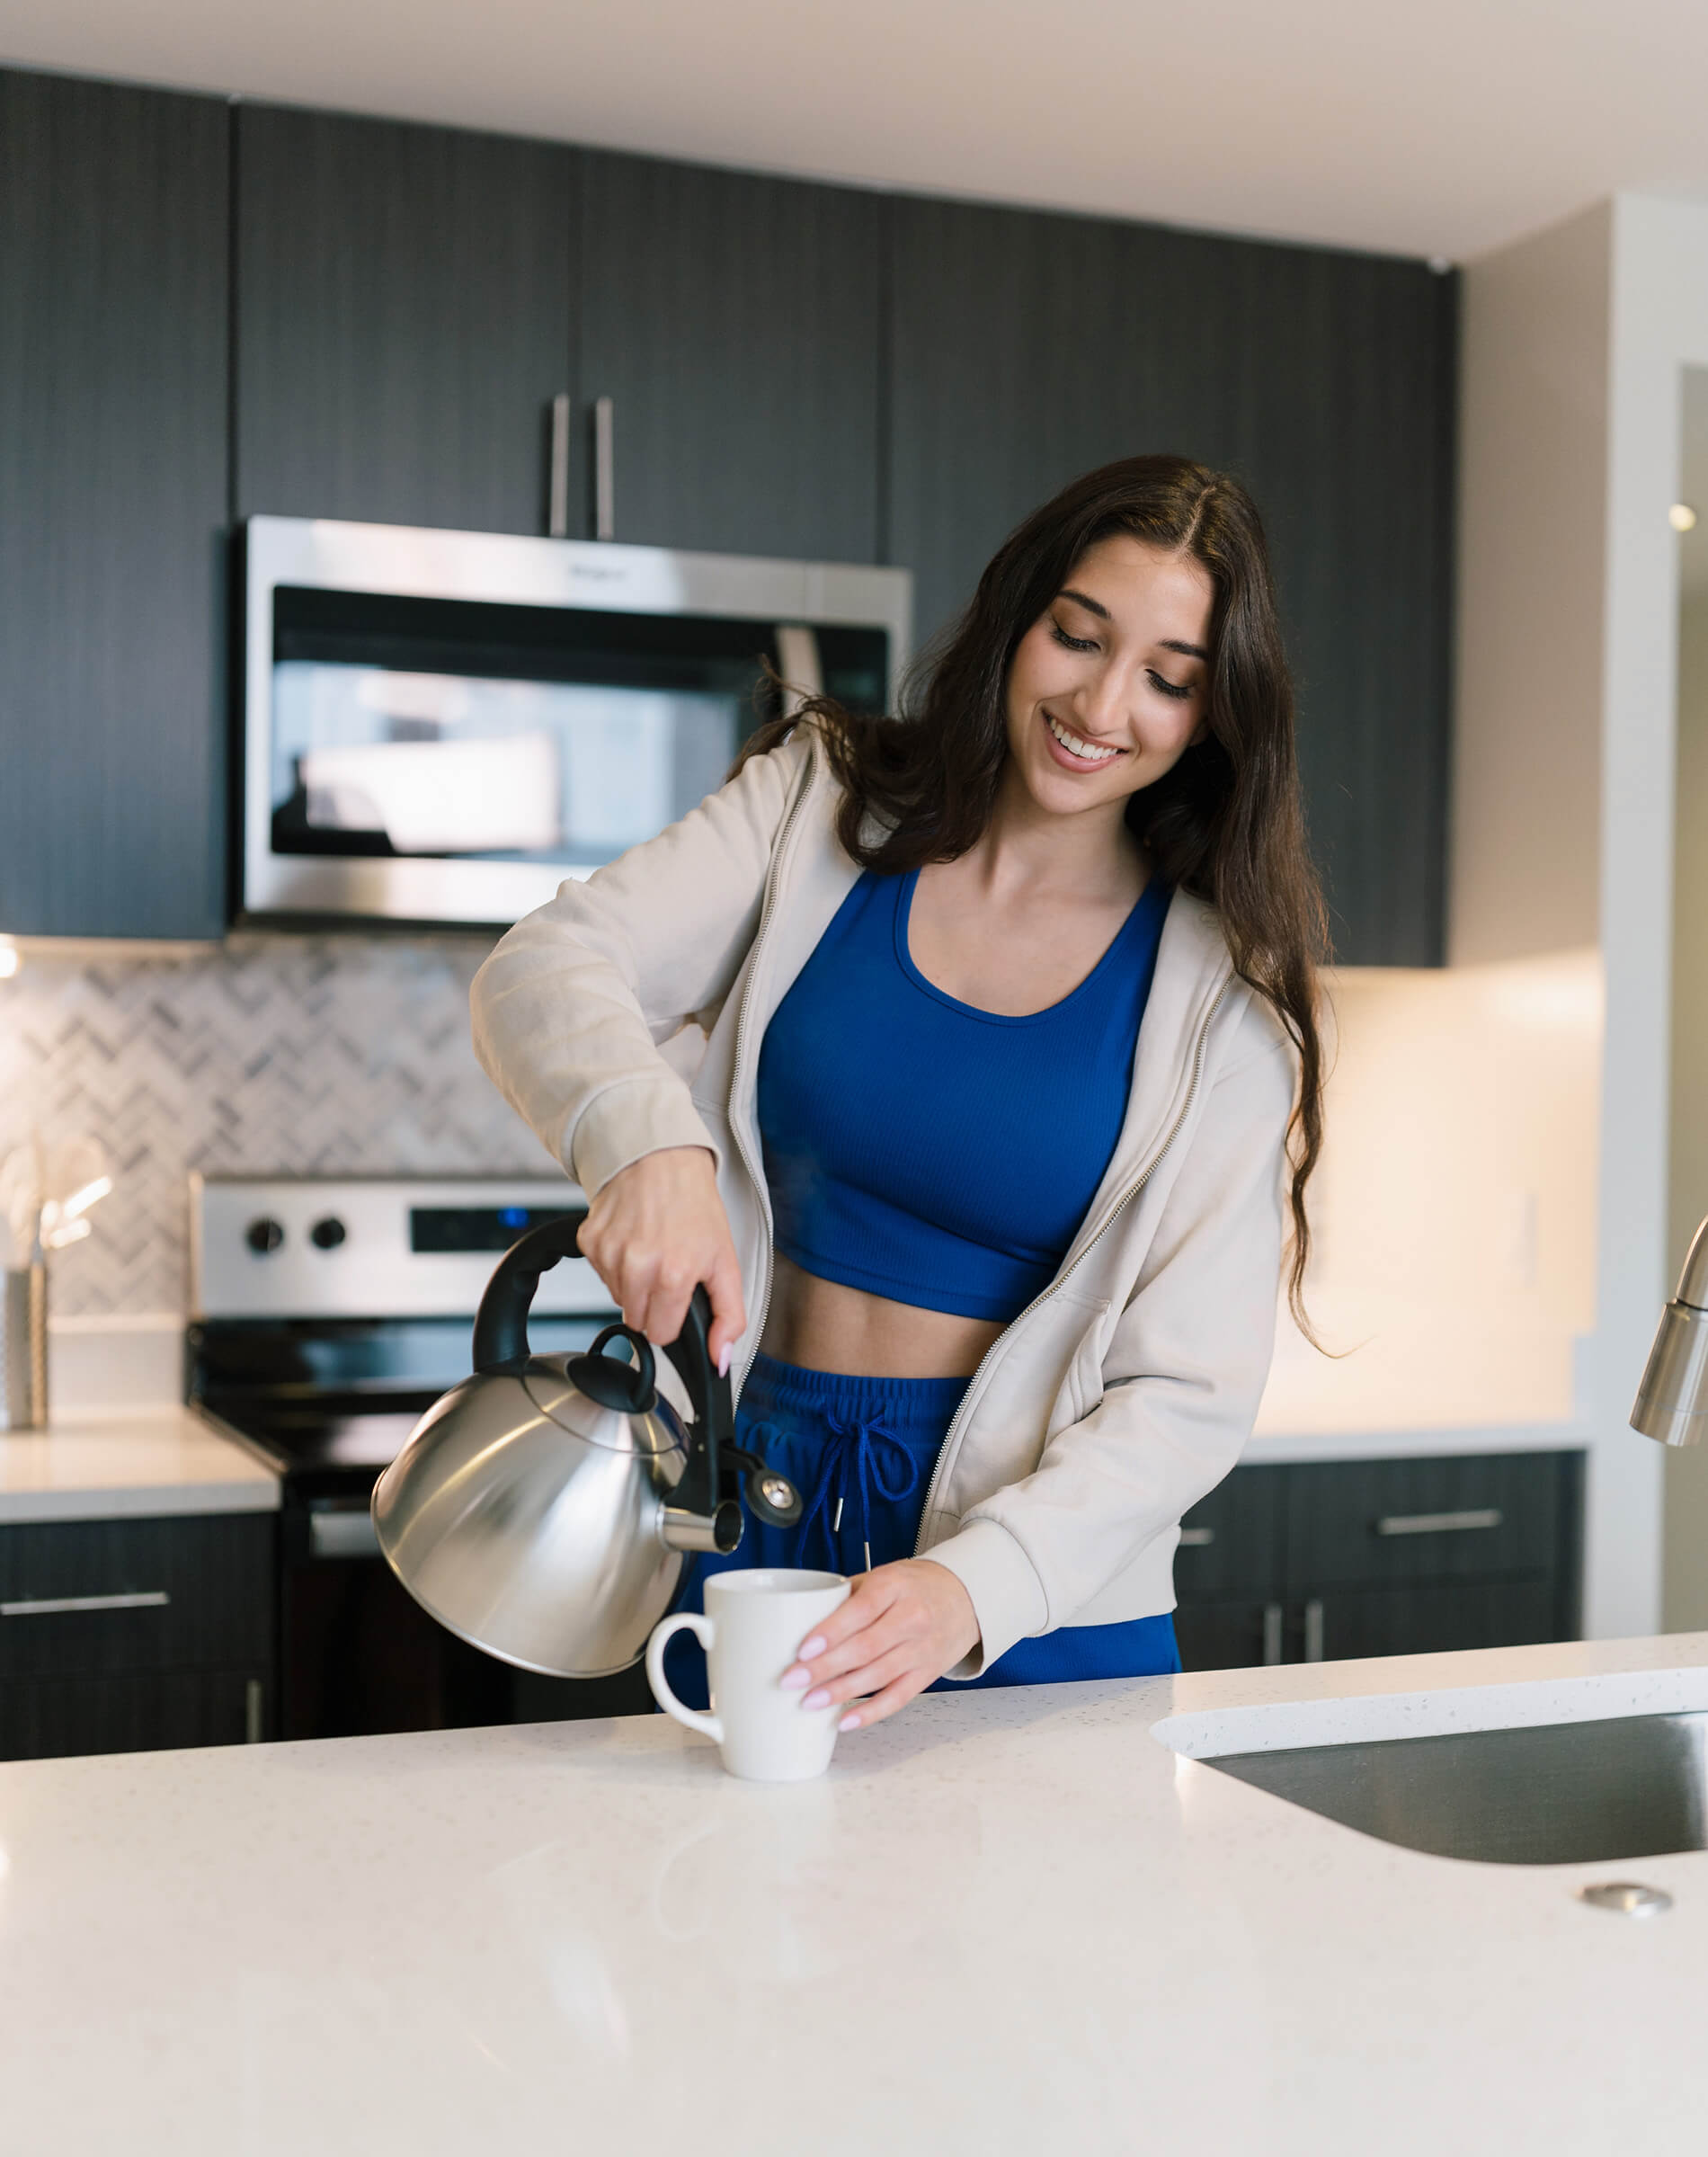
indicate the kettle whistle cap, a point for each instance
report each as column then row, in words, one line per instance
column 631, row 1388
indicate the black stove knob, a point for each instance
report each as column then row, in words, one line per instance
column 328, row 1233
column 263, row 1236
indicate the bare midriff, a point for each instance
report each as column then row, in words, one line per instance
column 824, row 1326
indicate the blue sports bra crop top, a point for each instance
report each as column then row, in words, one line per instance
column 930, row 1152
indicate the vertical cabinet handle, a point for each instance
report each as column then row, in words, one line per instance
column 1272, row 1618
column 557, row 503
column 604, row 468
column 254, row 1701
column 1313, row 1629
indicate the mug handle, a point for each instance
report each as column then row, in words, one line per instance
column 666, row 1629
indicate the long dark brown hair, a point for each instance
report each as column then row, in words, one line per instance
column 1226, row 823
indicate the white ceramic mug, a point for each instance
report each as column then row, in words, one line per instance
column 753, row 1626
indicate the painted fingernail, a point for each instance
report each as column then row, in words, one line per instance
column 820, row 1699
column 793, row 1678
column 809, row 1648
column 848, row 1723
column 723, row 1360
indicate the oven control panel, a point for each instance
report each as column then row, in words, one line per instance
column 372, row 1247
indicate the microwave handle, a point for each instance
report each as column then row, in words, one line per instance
column 604, row 468
column 558, row 493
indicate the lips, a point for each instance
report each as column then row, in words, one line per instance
column 1074, row 750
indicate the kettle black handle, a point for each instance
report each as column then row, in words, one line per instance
column 501, row 1343
column 701, row 1485
column 501, row 1325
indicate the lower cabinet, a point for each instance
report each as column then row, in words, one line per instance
column 136, row 1636
column 1323, row 1561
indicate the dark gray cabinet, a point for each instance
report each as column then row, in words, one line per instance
column 403, row 320
column 732, row 321
column 113, row 255
column 210, row 310
column 1025, row 348
column 1327, row 1560
column 122, row 1636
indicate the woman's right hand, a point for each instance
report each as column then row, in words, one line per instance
column 654, row 1233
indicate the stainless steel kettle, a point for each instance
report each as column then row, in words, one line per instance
column 540, row 1510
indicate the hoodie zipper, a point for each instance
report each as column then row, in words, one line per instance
column 950, row 1436
column 736, row 1127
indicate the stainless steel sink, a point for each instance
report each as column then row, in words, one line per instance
column 1555, row 1794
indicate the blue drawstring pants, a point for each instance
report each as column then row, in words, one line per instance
column 861, row 1452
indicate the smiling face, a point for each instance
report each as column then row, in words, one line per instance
column 1106, row 688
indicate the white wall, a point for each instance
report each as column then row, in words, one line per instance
column 1523, row 869
column 1541, row 634
column 1685, row 1593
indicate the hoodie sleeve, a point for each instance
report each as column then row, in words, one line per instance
column 571, row 1008
column 1183, row 1374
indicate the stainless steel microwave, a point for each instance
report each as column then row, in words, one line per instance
column 441, row 726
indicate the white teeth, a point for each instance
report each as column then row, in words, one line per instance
column 1075, row 747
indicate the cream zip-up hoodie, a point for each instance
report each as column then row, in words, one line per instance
column 1124, row 1390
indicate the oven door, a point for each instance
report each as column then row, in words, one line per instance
column 358, row 1656
column 442, row 726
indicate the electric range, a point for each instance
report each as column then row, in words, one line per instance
column 327, row 1315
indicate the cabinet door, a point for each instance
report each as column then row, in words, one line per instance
column 734, row 322
column 1229, row 1572
column 136, row 1711
column 1027, row 347
column 1234, row 1634
column 113, row 508
column 403, row 320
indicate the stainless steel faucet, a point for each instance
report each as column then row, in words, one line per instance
column 1672, row 1401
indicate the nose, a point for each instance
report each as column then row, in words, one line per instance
column 1101, row 703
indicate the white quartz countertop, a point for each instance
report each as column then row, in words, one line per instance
column 165, row 1460
column 1006, row 1921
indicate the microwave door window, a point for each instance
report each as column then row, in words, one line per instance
column 368, row 760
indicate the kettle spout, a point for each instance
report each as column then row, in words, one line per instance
column 719, row 1531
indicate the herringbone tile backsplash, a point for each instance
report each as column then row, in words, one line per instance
column 344, row 1056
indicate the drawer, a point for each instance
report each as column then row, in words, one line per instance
column 1457, row 1517
column 108, row 1596
column 131, row 1711
column 1233, row 1542
column 1434, row 1617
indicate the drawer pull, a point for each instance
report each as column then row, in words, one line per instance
column 1196, row 1539
column 1437, row 1524
column 54, row 1606
column 1273, row 1614
column 1314, row 1630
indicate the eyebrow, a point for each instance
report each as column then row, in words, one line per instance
column 1168, row 643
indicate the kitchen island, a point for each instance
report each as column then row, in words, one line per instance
column 1012, row 1921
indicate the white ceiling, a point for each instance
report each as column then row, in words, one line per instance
column 1438, row 129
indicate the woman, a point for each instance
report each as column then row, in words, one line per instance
column 995, row 1263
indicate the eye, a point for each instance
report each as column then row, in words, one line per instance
column 1170, row 689
column 1072, row 644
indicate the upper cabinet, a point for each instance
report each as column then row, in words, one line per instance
column 113, row 253
column 1026, row 348
column 403, row 320
column 733, row 322
column 792, row 369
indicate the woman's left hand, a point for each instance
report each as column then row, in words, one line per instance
column 900, row 1630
